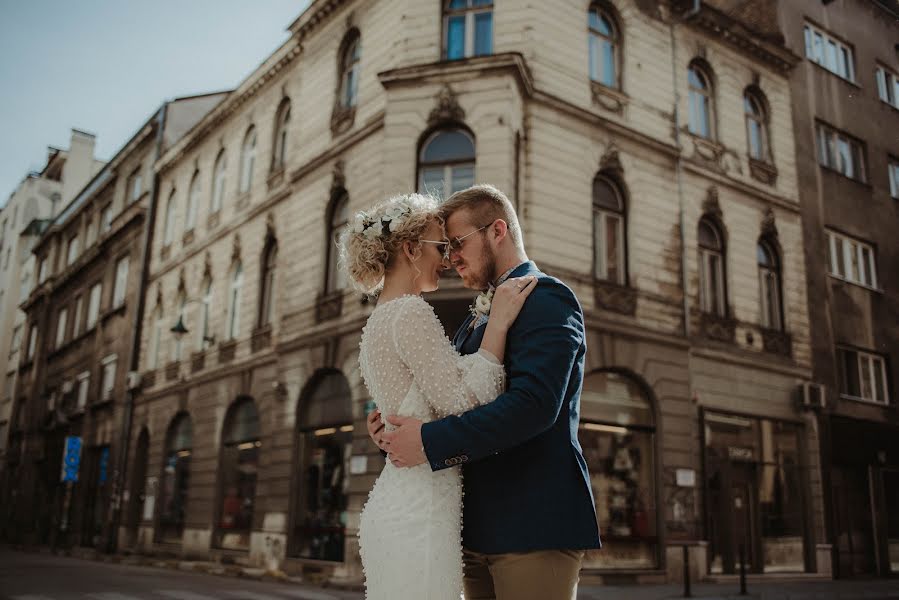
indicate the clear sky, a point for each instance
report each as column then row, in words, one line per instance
column 103, row 66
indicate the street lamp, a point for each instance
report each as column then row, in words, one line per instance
column 179, row 329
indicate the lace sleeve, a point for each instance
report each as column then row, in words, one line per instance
column 450, row 383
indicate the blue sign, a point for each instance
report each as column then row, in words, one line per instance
column 104, row 463
column 71, row 458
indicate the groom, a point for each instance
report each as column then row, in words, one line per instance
column 528, row 511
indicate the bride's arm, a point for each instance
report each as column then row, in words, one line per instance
column 450, row 383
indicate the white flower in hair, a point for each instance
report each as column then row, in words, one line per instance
column 373, row 231
column 359, row 223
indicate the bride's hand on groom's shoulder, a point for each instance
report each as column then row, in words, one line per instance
column 509, row 298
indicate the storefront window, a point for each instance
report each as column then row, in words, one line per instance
column 754, row 494
column 324, row 450
column 175, row 479
column 617, row 436
column 240, row 464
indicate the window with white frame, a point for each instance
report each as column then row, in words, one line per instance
column 106, row 218
column 247, row 160
column 339, row 217
column 282, row 120
column 851, row 259
column 893, row 168
column 446, row 163
column 349, row 70
column 61, row 322
column 756, row 126
column 700, row 100
column 604, row 46
column 769, row 285
column 204, row 337
column 32, row 342
column 42, row 271
column 168, row 231
column 711, row 269
column 155, row 340
column 76, row 316
column 134, row 185
column 608, row 231
column 193, row 202
column 267, row 292
column 832, row 54
column 887, row 86
column 218, row 183
column 840, row 152
column 467, row 28
column 84, row 382
column 73, row 249
column 862, row 376
column 234, row 301
column 16, row 341
column 90, row 235
column 108, row 377
column 93, row 305
column 121, row 282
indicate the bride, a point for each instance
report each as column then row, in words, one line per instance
column 410, row 528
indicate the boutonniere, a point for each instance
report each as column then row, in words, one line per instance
column 481, row 306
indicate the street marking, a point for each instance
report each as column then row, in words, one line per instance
column 183, row 595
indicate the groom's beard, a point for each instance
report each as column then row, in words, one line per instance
column 487, row 273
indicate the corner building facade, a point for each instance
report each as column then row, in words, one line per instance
column 651, row 161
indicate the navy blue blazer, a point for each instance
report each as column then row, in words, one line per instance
column 524, row 474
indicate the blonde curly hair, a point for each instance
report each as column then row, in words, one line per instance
column 371, row 241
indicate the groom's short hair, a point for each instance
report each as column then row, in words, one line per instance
column 486, row 204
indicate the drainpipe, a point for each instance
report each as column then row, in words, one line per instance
column 134, row 363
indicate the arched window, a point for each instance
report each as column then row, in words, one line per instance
column 608, row 231
column 237, row 473
column 193, row 201
column 467, row 28
column 247, row 160
column 711, row 269
column 279, row 149
column 178, row 346
column 168, row 232
column 267, row 289
column 756, row 127
column 205, row 336
column 175, row 479
column 155, row 339
column 337, row 219
column 605, row 47
column 349, row 70
column 446, row 163
column 324, row 444
column 234, row 297
column 769, row 285
column 218, row 183
column 617, row 434
column 701, row 104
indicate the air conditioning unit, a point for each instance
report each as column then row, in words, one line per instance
column 813, row 395
column 68, row 386
column 133, row 380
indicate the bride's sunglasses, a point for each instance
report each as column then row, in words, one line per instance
column 443, row 247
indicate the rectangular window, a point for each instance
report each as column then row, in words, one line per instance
column 888, row 86
column 84, row 383
column 468, row 29
column 106, row 219
column 93, row 305
column 16, row 340
column 121, row 282
column 830, row 53
column 91, row 236
column 42, row 271
column 108, row 381
column 72, row 252
column 76, row 316
column 32, row 342
column 135, row 186
column 894, row 178
column 851, row 260
column 862, row 376
column 61, row 322
column 840, row 152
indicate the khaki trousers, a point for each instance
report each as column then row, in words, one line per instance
column 538, row 575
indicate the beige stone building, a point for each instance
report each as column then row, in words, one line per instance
column 649, row 150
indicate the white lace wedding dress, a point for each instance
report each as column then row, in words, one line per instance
column 410, row 532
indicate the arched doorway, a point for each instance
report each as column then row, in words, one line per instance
column 136, row 486
column 175, row 479
column 324, row 447
column 617, row 434
column 238, row 469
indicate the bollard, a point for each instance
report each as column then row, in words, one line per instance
column 743, row 569
column 686, row 572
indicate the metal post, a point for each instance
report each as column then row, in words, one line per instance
column 687, row 593
column 743, row 569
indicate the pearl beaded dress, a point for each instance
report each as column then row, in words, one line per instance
column 410, row 531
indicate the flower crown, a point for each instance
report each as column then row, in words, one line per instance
column 373, row 227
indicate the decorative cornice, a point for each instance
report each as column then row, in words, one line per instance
column 742, row 38
column 512, row 62
column 313, row 17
